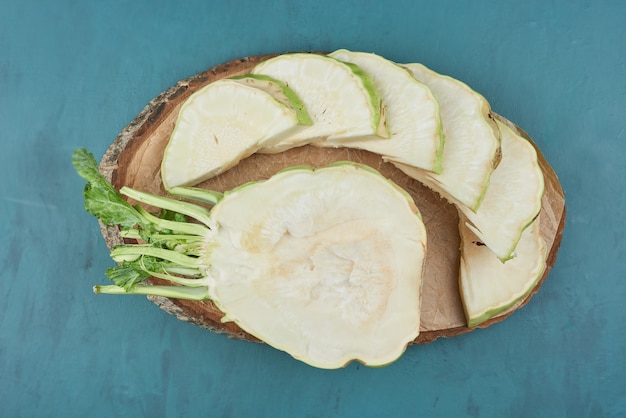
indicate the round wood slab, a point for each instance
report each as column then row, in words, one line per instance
column 134, row 160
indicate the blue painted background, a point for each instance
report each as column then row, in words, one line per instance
column 74, row 73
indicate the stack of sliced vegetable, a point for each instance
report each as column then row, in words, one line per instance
column 326, row 263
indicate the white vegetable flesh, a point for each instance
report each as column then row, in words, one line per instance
column 490, row 287
column 513, row 199
column 279, row 91
column 328, row 267
column 218, row 126
column 340, row 99
column 472, row 139
column 413, row 114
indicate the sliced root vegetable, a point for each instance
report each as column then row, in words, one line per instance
column 413, row 114
column 472, row 148
column 325, row 264
column 488, row 286
column 328, row 268
column 330, row 273
column 512, row 200
column 224, row 122
column 279, row 91
column 341, row 98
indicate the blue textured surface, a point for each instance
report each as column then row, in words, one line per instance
column 75, row 73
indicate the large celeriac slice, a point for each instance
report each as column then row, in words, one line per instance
column 472, row 139
column 224, row 122
column 328, row 268
column 489, row 287
column 413, row 114
column 341, row 98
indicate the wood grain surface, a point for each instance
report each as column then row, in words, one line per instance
column 135, row 157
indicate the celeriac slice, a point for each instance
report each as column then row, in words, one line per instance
column 279, row 91
column 488, row 286
column 328, row 268
column 472, row 138
column 413, row 114
column 512, row 200
column 222, row 123
column 340, row 98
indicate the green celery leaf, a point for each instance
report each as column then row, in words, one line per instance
column 126, row 275
column 130, row 273
column 101, row 198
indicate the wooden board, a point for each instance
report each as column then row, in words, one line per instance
column 134, row 160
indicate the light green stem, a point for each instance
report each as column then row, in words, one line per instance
column 133, row 252
column 195, row 193
column 179, row 280
column 191, row 272
column 197, row 212
column 176, row 292
column 182, row 227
